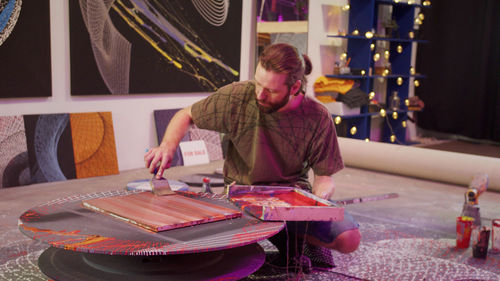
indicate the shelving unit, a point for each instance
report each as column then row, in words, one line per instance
column 361, row 36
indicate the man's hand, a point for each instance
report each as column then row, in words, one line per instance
column 323, row 186
column 159, row 159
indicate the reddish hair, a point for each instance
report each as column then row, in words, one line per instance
column 284, row 58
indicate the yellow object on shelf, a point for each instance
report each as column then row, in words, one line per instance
column 325, row 99
column 326, row 84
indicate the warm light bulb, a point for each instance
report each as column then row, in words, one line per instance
column 399, row 81
column 407, row 102
column 418, row 21
column 343, row 56
column 421, row 16
column 355, row 32
column 346, row 7
column 426, row 3
column 411, row 34
column 412, row 70
column 369, row 34
column 410, row 2
column 386, row 55
column 338, row 120
column 393, row 138
column 399, row 48
column 363, row 72
column 371, row 95
column 376, row 57
column 395, row 115
column 417, row 83
column 386, row 72
column 396, row 1
column 353, row 130
column 372, row 46
column 403, row 123
column 367, row 140
column 382, row 112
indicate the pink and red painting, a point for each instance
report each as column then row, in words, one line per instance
column 159, row 213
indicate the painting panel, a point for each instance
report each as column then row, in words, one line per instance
column 212, row 140
column 159, row 213
column 25, row 63
column 50, row 147
column 93, row 144
column 153, row 46
column 14, row 167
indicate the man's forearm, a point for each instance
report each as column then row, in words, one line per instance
column 323, row 186
column 159, row 158
column 176, row 129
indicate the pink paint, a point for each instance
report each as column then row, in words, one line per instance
column 159, row 213
column 283, row 203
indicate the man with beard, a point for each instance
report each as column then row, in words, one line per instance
column 275, row 136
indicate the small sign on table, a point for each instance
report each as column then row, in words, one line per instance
column 194, row 152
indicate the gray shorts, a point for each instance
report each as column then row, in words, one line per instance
column 325, row 231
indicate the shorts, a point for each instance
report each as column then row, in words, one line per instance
column 325, row 231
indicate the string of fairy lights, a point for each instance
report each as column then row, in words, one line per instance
column 377, row 56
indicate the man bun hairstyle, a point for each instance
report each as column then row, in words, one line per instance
column 284, row 58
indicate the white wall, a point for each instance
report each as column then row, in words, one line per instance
column 132, row 114
column 325, row 17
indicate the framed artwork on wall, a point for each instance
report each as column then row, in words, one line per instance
column 40, row 148
column 153, row 46
column 25, row 66
column 14, row 170
column 50, row 147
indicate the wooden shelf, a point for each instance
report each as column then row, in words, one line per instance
column 282, row 27
column 359, row 37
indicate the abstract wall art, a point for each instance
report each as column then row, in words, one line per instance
column 93, row 144
column 153, row 46
column 55, row 147
column 50, row 147
column 14, row 167
column 212, row 140
column 25, row 65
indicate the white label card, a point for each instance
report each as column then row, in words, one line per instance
column 194, row 152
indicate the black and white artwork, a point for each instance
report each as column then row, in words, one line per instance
column 153, row 46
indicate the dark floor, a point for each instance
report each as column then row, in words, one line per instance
column 411, row 237
column 462, row 146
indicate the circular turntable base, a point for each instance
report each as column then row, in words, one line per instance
column 196, row 180
column 229, row 264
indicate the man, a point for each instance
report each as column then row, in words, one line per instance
column 276, row 135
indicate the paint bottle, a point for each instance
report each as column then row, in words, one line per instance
column 464, row 229
column 480, row 244
column 205, row 188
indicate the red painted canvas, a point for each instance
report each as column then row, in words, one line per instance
column 273, row 203
column 159, row 213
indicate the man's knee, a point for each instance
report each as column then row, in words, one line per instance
column 347, row 242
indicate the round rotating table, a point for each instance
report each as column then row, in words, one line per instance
column 86, row 245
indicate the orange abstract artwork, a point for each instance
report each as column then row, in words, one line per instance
column 93, row 144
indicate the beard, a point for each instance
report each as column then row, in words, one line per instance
column 270, row 108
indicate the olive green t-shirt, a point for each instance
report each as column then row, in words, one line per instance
column 269, row 148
